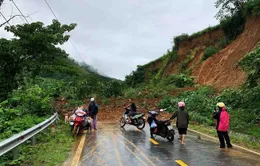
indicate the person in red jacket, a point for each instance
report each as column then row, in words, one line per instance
column 222, row 125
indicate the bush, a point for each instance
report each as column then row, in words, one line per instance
column 169, row 57
column 198, row 101
column 242, row 104
column 130, row 93
column 209, row 52
column 196, row 117
column 16, row 124
column 180, row 80
column 251, row 64
column 178, row 39
column 33, row 100
column 242, row 98
column 43, row 153
column 233, row 26
column 112, row 89
column 223, row 42
column 190, row 56
column 72, row 103
column 136, row 77
column 252, row 7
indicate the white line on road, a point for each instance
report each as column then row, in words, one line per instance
column 234, row 145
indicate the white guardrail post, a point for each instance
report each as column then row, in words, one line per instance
column 13, row 142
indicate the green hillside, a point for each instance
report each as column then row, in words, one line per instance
column 35, row 72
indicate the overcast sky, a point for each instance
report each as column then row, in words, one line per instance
column 115, row 36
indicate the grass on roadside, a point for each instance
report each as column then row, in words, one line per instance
column 237, row 138
column 50, row 150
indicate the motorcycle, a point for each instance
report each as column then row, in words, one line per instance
column 137, row 120
column 160, row 128
column 77, row 122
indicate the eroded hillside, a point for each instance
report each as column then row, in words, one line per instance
column 221, row 70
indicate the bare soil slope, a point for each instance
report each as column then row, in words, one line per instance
column 201, row 43
column 222, row 69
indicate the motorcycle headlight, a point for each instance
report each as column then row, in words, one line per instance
column 71, row 123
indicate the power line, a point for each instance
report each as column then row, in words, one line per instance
column 5, row 18
column 51, row 9
column 19, row 11
column 70, row 40
column 76, row 50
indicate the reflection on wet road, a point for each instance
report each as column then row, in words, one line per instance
column 113, row 146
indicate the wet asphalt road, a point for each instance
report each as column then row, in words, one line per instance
column 113, row 146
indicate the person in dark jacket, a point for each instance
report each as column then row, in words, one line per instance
column 93, row 110
column 132, row 111
column 222, row 125
column 182, row 120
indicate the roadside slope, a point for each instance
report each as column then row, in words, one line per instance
column 222, row 69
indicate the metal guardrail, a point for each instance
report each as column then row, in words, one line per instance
column 13, row 142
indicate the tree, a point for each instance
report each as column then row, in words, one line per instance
column 228, row 8
column 34, row 46
column 136, row 77
column 1, row 2
column 10, row 66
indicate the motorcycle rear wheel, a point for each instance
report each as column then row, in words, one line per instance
column 170, row 136
column 141, row 124
column 122, row 122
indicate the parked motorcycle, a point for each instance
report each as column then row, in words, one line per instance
column 160, row 128
column 77, row 125
column 77, row 121
column 137, row 120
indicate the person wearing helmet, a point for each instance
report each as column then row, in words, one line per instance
column 222, row 125
column 93, row 110
column 182, row 120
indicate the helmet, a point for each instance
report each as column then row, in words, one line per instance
column 92, row 99
column 220, row 104
column 181, row 104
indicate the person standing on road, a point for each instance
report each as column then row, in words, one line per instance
column 93, row 110
column 182, row 120
column 222, row 125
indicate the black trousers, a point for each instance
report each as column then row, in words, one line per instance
column 222, row 136
column 151, row 132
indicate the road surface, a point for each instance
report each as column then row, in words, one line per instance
column 113, row 146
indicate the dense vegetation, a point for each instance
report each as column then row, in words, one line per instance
column 34, row 71
column 209, row 51
column 52, row 150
